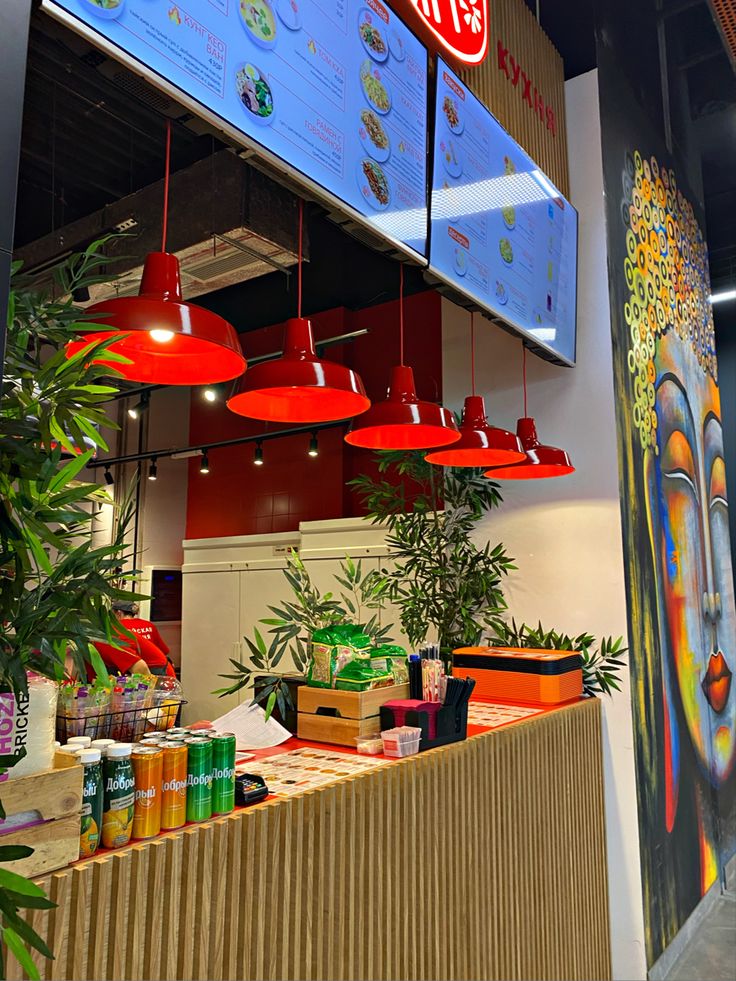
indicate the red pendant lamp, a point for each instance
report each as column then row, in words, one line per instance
column 541, row 460
column 403, row 421
column 480, row 444
column 167, row 341
column 299, row 386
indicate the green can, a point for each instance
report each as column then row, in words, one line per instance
column 223, row 773
column 199, row 778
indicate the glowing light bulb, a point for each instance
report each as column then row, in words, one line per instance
column 161, row 336
column 210, row 395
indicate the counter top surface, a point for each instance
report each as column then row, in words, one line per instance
column 495, row 716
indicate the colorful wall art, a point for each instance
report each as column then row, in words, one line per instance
column 682, row 619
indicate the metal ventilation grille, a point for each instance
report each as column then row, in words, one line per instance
column 725, row 14
column 145, row 93
column 221, row 266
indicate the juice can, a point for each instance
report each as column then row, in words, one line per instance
column 174, row 785
column 119, row 796
column 148, row 771
column 223, row 773
column 199, row 778
column 92, row 804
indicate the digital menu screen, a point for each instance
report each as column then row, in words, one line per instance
column 337, row 89
column 501, row 232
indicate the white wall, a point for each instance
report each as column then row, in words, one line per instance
column 565, row 534
column 163, row 502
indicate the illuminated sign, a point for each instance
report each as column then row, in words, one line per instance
column 460, row 27
column 510, row 67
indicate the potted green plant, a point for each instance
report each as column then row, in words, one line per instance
column 56, row 586
column 360, row 599
column 447, row 588
column 443, row 583
column 603, row 661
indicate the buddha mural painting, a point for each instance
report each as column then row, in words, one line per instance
column 681, row 586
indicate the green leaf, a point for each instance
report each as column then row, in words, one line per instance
column 17, row 883
column 11, row 853
column 270, row 704
column 29, row 902
column 70, row 471
column 16, row 945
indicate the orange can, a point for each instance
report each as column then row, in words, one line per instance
column 174, row 797
column 148, row 772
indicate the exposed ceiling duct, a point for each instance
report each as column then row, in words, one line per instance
column 227, row 223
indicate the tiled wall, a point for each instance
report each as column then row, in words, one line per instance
column 238, row 498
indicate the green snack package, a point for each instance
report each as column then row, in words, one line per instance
column 358, row 675
column 391, row 657
column 321, row 661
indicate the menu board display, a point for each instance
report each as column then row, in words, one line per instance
column 501, row 232
column 337, row 89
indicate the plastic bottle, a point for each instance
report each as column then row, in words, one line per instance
column 92, row 802
column 119, row 791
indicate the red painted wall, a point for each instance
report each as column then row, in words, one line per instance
column 239, row 498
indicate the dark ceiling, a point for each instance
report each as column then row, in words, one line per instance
column 702, row 89
column 94, row 132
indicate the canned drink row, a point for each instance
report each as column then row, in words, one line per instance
column 155, row 785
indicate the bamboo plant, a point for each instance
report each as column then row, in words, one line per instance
column 56, row 586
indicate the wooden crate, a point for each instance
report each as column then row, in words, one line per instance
column 328, row 715
column 56, row 795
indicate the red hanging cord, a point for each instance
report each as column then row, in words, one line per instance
column 299, row 268
column 167, row 169
column 472, row 353
column 401, row 313
column 523, row 373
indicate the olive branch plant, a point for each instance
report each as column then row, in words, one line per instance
column 443, row 585
column 360, row 599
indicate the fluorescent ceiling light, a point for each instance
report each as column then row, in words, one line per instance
column 722, row 296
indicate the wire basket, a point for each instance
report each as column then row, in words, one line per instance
column 123, row 725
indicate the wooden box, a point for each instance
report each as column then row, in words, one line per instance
column 328, row 715
column 52, row 800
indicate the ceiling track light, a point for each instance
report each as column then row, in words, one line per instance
column 137, row 410
column 109, row 479
column 313, row 446
column 153, row 470
column 258, row 454
column 204, row 466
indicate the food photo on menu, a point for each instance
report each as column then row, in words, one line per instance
column 339, row 90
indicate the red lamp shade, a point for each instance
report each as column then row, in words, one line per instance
column 480, row 445
column 402, row 421
column 298, row 386
column 168, row 341
column 541, row 461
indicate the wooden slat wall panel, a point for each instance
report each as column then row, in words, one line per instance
column 485, row 859
column 513, row 24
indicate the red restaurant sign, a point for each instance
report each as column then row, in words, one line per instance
column 459, row 26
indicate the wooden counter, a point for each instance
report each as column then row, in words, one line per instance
column 508, row 879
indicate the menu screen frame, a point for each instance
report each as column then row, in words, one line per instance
column 438, row 226
column 281, row 169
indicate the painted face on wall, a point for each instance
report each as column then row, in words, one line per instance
column 693, row 551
